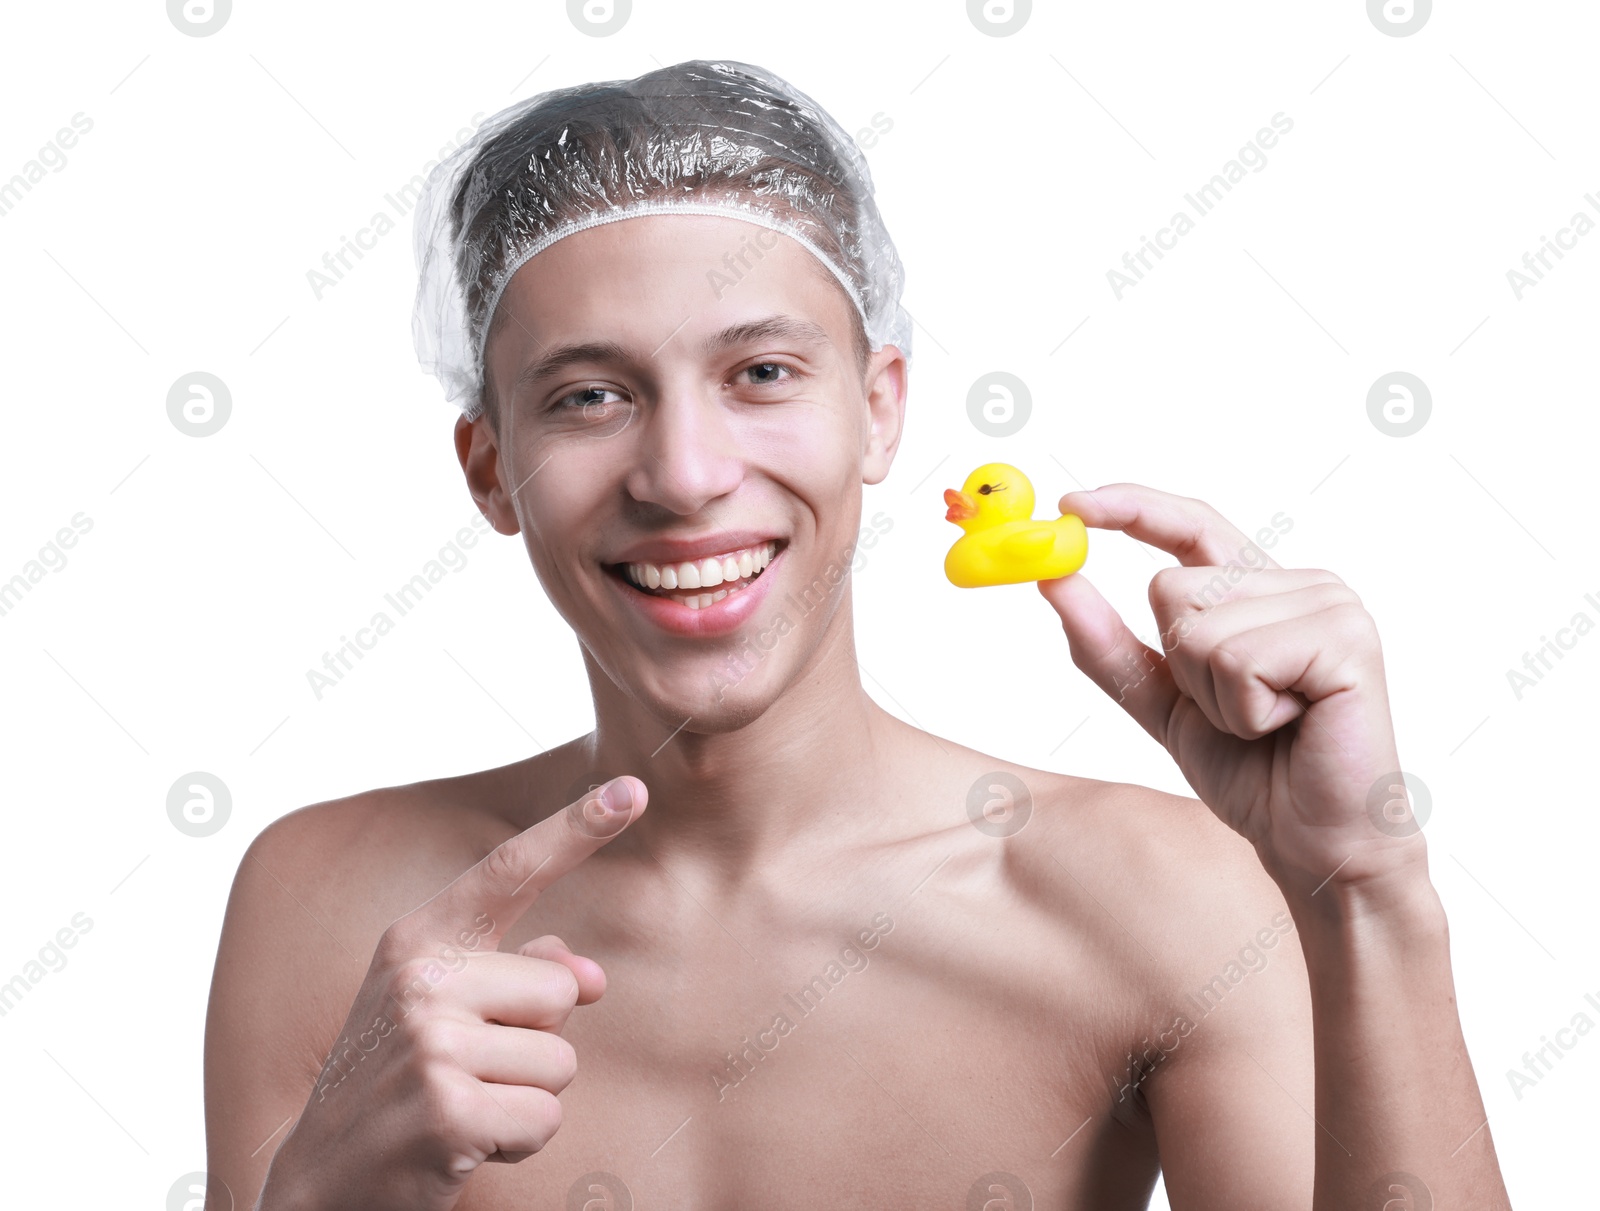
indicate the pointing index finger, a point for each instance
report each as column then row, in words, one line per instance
column 1191, row 530
column 509, row 878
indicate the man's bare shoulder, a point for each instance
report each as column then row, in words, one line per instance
column 358, row 862
column 1158, row 874
column 314, row 893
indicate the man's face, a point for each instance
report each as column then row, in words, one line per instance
column 715, row 409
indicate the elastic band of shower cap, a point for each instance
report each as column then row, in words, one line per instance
column 635, row 209
column 700, row 137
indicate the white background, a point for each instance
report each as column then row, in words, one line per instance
column 1017, row 171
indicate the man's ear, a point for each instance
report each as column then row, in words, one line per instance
column 886, row 412
column 479, row 451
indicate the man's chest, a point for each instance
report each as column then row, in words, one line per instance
column 850, row 1066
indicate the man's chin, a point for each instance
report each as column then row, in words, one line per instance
column 710, row 702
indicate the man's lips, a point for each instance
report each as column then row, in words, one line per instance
column 691, row 549
column 705, row 613
column 715, row 575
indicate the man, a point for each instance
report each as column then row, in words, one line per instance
column 789, row 968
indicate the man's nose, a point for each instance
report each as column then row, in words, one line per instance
column 687, row 453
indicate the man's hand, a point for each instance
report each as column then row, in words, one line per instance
column 1270, row 696
column 461, row 1055
column 1269, row 693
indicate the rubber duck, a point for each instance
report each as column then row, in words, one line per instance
column 1003, row 544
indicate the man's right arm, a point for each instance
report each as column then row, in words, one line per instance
column 288, row 964
column 449, row 1054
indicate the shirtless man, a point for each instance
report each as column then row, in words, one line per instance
column 790, row 970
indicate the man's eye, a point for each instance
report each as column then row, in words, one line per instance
column 587, row 397
column 766, row 373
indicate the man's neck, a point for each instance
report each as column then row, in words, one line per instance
column 788, row 781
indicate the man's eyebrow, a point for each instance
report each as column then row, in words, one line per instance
column 772, row 327
column 563, row 356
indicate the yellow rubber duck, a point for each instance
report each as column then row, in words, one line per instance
column 1003, row 544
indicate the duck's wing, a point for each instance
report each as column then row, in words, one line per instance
column 1031, row 543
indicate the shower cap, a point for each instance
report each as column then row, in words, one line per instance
column 699, row 137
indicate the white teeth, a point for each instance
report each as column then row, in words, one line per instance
column 703, row 574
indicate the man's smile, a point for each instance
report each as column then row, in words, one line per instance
column 678, row 580
column 698, row 587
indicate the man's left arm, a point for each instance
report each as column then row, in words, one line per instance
column 1269, row 693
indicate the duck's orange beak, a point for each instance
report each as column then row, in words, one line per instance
column 962, row 506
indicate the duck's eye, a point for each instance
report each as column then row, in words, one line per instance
column 986, row 489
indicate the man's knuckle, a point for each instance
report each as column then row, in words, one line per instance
column 544, row 1115
column 412, row 979
column 1333, row 594
column 1355, row 622
column 502, row 867
column 565, row 1060
column 437, row 1041
column 397, row 943
column 559, row 987
column 449, row 1104
column 1226, row 657
column 1169, row 585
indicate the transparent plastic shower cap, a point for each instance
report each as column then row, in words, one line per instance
column 699, row 137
